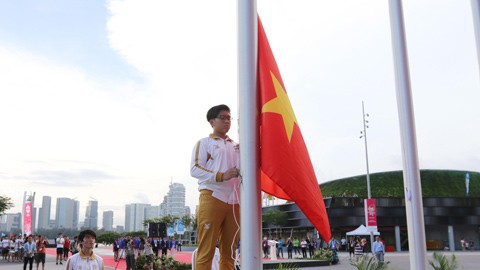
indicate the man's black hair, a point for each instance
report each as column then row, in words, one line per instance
column 215, row 111
column 85, row 233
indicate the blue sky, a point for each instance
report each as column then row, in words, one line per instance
column 107, row 98
column 69, row 32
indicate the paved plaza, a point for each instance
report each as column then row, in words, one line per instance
column 398, row 261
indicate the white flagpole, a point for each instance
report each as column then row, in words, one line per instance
column 251, row 206
column 411, row 172
column 476, row 25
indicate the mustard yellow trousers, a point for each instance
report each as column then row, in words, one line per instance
column 216, row 221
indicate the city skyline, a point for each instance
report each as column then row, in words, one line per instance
column 111, row 107
column 173, row 204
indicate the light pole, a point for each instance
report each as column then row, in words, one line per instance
column 364, row 135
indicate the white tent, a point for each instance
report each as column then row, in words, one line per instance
column 361, row 230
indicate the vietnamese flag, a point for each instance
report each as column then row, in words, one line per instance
column 285, row 166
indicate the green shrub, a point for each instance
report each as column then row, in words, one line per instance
column 440, row 262
column 169, row 263
column 369, row 263
column 323, row 254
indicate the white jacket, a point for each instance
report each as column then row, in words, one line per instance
column 81, row 261
column 211, row 157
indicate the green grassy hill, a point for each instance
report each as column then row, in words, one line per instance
column 435, row 183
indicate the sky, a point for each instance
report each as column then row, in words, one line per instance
column 105, row 99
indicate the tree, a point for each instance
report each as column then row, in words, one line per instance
column 5, row 204
column 187, row 220
column 169, row 220
column 276, row 218
column 107, row 237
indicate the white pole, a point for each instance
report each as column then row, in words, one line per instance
column 366, row 152
column 476, row 25
column 411, row 173
column 250, row 209
column 369, row 191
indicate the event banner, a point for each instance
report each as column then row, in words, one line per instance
column 170, row 231
column 180, row 227
column 27, row 218
column 371, row 214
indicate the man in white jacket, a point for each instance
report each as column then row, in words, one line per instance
column 215, row 162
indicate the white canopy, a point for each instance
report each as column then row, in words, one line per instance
column 361, row 230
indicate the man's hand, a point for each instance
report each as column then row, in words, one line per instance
column 230, row 173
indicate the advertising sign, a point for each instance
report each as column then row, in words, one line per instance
column 27, row 218
column 180, row 227
column 170, row 231
column 371, row 214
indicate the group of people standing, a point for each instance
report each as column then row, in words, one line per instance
column 129, row 248
column 358, row 247
column 27, row 249
column 31, row 248
column 294, row 246
column 64, row 245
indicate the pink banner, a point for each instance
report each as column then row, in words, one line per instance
column 371, row 214
column 27, row 218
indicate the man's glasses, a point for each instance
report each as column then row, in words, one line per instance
column 225, row 117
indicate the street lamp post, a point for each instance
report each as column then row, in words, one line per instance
column 364, row 135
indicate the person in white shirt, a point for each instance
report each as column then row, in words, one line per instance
column 378, row 249
column 60, row 242
column 5, row 246
column 215, row 162
column 85, row 259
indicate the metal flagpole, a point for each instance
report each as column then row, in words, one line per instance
column 411, row 172
column 476, row 25
column 250, row 208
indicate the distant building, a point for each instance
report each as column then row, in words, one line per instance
column 120, row 229
column 66, row 215
column 107, row 221
column 91, row 215
column 44, row 213
column 134, row 216
column 10, row 223
column 152, row 212
column 174, row 202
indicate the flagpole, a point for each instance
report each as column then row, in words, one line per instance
column 476, row 25
column 411, row 172
column 251, row 207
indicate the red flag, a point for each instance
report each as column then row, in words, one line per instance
column 286, row 169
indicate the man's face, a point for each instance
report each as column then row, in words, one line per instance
column 88, row 241
column 221, row 124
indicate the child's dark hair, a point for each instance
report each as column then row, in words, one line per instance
column 215, row 111
column 85, row 233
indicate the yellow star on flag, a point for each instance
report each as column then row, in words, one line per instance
column 281, row 105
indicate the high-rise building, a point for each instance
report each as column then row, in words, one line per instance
column 152, row 212
column 107, row 221
column 44, row 213
column 66, row 215
column 76, row 214
column 134, row 217
column 174, row 203
column 91, row 215
column 11, row 223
